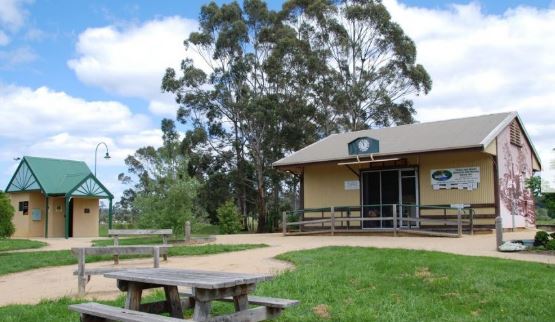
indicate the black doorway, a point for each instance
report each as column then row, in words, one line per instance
column 70, row 232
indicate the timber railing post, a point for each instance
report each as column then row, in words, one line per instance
column 81, row 279
column 332, row 221
column 394, row 220
column 498, row 231
column 459, row 223
column 284, row 222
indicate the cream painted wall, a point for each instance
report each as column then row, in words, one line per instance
column 85, row 225
column 20, row 221
column 324, row 186
column 484, row 194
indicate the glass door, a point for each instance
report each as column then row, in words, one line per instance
column 381, row 189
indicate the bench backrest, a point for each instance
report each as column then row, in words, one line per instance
column 135, row 232
column 119, row 250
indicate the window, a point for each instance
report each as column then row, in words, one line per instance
column 516, row 136
column 24, row 207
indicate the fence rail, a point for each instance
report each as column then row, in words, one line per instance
column 412, row 222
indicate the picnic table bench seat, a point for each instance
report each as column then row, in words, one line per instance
column 116, row 233
column 95, row 312
column 271, row 302
column 84, row 275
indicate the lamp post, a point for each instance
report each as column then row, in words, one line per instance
column 107, row 156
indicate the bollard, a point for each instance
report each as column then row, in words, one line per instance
column 498, row 231
column 187, row 231
column 284, row 223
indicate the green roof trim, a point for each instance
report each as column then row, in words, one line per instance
column 56, row 177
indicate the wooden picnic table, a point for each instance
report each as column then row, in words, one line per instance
column 206, row 286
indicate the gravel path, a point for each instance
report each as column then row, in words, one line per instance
column 48, row 283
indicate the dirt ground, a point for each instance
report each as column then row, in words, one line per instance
column 48, row 283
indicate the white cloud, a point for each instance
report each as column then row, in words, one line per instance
column 483, row 63
column 12, row 13
column 131, row 61
column 48, row 123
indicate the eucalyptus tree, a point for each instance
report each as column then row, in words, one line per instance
column 250, row 97
column 371, row 63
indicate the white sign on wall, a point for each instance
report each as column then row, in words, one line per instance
column 352, row 185
column 456, row 178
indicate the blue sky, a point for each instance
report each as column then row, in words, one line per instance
column 99, row 64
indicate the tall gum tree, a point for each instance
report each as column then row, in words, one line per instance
column 371, row 64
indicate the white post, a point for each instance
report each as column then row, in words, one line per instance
column 498, row 231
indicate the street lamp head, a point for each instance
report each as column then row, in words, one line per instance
column 107, row 156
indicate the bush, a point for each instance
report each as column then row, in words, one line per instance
column 550, row 245
column 541, row 238
column 230, row 220
column 6, row 214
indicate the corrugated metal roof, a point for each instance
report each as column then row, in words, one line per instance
column 469, row 132
column 57, row 176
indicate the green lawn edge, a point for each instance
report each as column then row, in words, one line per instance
column 9, row 244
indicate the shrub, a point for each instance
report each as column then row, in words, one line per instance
column 550, row 245
column 6, row 213
column 230, row 220
column 552, row 235
column 541, row 238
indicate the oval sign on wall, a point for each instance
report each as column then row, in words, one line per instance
column 442, row 175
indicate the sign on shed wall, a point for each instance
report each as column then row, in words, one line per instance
column 455, row 178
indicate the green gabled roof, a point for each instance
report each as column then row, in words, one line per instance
column 53, row 176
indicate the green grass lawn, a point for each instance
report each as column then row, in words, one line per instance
column 366, row 284
column 18, row 262
column 14, row 244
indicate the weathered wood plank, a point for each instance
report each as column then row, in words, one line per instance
column 99, row 271
column 190, row 278
column 252, row 315
column 135, row 232
column 256, row 300
column 120, row 250
column 119, row 314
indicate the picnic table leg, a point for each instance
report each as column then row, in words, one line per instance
column 174, row 302
column 202, row 310
column 241, row 302
column 133, row 300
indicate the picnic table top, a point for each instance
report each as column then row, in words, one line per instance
column 189, row 278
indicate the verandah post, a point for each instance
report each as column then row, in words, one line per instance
column 394, row 220
column 332, row 221
column 110, row 210
column 459, row 223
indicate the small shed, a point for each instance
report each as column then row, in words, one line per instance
column 56, row 198
column 422, row 169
